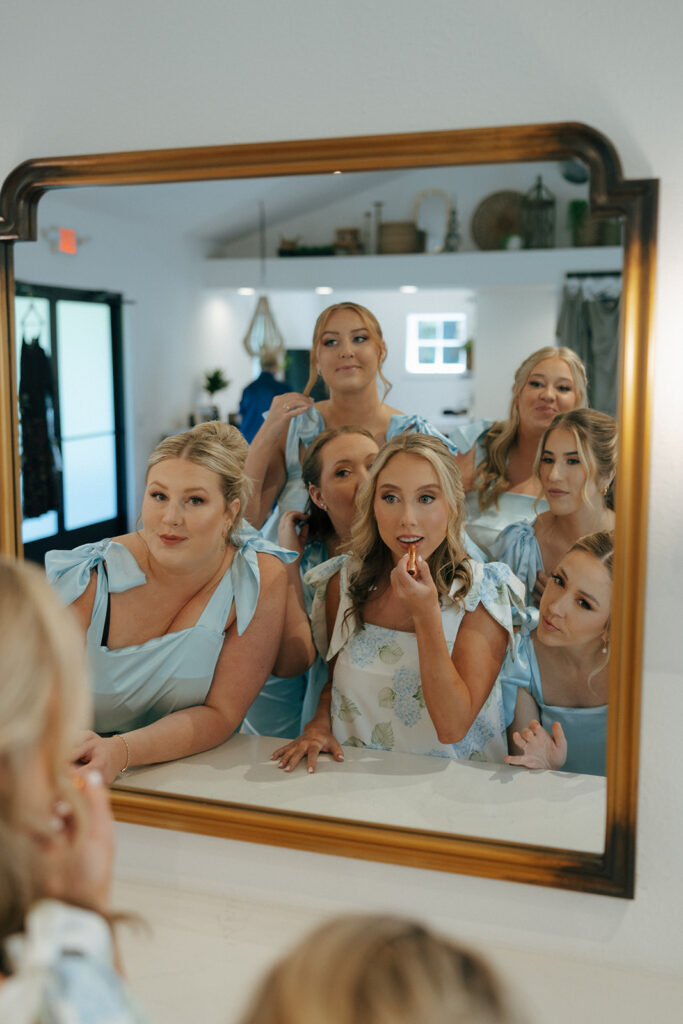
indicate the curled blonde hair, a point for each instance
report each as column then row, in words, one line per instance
column 595, row 435
column 44, row 697
column 491, row 476
column 448, row 562
column 371, row 324
column 379, row 969
column 217, row 446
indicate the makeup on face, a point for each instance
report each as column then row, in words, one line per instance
column 410, row 507
column 576, row 603
column 549, row 390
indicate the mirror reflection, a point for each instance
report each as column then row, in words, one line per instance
column 448, row 331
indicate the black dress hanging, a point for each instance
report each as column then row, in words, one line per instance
column 39, row 450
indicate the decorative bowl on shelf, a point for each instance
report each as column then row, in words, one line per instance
column 496, row 218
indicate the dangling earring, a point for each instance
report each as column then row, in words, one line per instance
column 605, row 645
column 323, row 506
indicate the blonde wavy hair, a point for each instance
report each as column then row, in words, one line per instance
column 371, row 324
column 44, row 698
column 491, row 479
column 380, row 969
column 217, row 446
column 595, row 436
column 371, row 556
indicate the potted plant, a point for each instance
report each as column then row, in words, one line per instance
column 469, row 353
column 584, row 228
column 214, row 381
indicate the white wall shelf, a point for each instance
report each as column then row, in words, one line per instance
column 439, row 270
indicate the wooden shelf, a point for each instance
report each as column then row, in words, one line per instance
column 440, row 270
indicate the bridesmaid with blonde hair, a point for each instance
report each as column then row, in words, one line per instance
column 576, row 467
column 497, row 459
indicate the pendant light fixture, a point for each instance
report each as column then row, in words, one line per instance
column 263, row 337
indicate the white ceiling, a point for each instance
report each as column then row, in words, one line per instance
column 209, row 211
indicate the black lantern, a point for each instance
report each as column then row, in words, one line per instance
column 538, row 217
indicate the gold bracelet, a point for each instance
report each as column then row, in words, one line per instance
column 125, row 767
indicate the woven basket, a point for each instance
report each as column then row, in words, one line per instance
column 399, row 236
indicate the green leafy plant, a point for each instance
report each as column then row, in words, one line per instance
column 214, row 381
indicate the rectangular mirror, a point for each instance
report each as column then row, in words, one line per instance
column 179, row 249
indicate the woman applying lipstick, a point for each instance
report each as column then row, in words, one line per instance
column 183, row 618
column 555, row 689
column 497, row 459
column 575, row 466
column 348, row 352
column 414, row 661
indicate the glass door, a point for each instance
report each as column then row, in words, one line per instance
column 71, row 417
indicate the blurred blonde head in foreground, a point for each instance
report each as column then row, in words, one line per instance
column 379, row 969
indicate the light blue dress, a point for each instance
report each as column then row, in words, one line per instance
column 517, row 547
column 134, row 686
column 585, row 729
column 63, row 971
column 484, row 526
column 377, row 698
column 283, row 706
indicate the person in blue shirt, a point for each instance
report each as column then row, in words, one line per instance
column 258, row 395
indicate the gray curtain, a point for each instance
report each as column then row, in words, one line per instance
column 589, row 325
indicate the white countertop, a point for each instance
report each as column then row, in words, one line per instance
column 491, row 801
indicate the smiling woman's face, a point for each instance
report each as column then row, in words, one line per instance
column 349, row 353
column 576, row 603
column 185, row 519
column 549, row 389
column 566, row 485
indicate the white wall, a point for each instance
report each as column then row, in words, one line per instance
column 138, row 74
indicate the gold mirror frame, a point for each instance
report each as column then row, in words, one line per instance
column 611, row 195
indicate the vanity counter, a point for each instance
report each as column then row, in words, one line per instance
column 491, row 801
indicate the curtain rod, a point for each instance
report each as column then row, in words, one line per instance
column 593, row 273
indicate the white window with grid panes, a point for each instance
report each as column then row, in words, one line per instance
column 436, row 342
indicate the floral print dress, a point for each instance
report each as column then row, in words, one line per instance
column 377, row 698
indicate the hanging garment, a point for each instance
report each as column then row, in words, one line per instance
column 39, row 451
column 588, row 324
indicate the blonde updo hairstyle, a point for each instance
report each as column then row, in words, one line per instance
column 599, row 545
column 491, row 476
column 217, row 446
column 448, row 562
column 373, row 328
column 44, row 697
column 379, row 969
column 595, row 435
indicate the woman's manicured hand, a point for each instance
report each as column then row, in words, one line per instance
column 314, row 740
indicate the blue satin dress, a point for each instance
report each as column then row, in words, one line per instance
column 134, row 686
column 585, row 729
